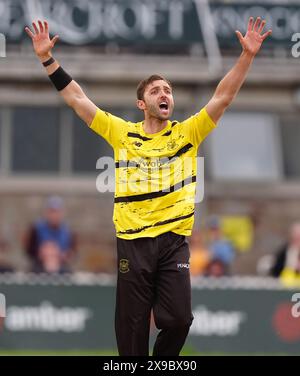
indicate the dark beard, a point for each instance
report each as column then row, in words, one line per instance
column 156, row 114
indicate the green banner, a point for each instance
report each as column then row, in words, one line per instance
column 245, row 321
column 63, row 315
column 147, row 22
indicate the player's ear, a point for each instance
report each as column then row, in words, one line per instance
column 140, row 104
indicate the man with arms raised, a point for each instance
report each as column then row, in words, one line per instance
column 154, row 199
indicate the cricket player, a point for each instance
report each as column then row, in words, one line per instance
column 154, row 192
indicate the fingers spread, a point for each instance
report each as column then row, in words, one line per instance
column 265, row 35
column 54, row 40
column 46, row 27
column 240, row 36
column 257, row 23
column 35, row 28
column 41, row 26
column 261, row 27
column 250, row 24
column 29, row 32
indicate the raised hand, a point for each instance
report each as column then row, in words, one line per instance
column 41, row 41
column 254, row 38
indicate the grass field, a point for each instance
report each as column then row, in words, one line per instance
column 185, row 352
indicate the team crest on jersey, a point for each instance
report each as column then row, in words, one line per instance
column 171, row 145
column 124, row 266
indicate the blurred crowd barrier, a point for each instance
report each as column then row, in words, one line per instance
column 76, row 312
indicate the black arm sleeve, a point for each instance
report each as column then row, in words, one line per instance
column 60, row 79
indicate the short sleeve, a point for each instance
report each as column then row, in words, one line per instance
column 108, row 126
column 198, row 127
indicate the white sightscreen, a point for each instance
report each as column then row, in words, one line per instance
column 246, row 146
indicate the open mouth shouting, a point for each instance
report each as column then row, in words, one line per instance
column 164, row 107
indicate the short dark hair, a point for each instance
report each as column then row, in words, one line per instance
column 143, row 84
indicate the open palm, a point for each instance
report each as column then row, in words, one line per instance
column 42, row 43
column 254, row 38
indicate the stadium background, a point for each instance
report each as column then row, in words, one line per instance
column 252, row 165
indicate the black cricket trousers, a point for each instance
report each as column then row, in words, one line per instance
column 153, row 273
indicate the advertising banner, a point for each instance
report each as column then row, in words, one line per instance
column 67, row 316
column 131, row 22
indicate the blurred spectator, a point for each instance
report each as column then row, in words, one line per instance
column 4, row 266
column 50, row 240
column 287, row 261
column 50, row 259
column 221, row 250
column 264, row 265
column 216, row 268
column 199, row 254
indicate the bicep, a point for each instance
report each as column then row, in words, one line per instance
column 216, row 108
column 85, row 109
column 75, row 97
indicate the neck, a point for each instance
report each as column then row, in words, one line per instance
column 153, row 125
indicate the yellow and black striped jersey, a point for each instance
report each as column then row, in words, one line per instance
column 155, row 177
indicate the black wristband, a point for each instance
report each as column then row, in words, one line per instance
column 48, row 62
column 60, row 79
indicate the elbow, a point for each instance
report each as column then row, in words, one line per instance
column 73, row 100
column 223, row 100
column 227, row 100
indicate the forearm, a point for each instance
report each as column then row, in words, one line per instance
column 72, row 91
column 229, row 87
column 233, row 81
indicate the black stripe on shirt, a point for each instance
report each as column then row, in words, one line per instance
column 126, row 164
column 162, row 223
column 136, row 135
column 165, row 160
column 143, row 138
column 181, row 151
column 152, row 195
